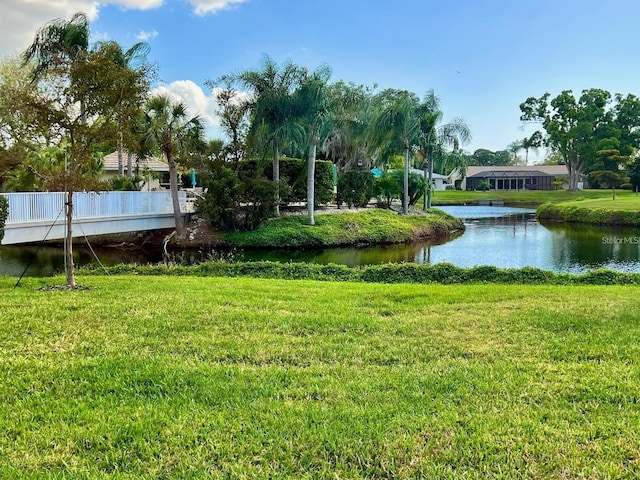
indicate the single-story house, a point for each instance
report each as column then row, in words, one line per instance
column 438, row 181
column 159, row 169
column 532, row 177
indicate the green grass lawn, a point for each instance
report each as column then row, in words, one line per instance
column 373, row 226
column 627, row 201
column 530, row 197
column 185, row 377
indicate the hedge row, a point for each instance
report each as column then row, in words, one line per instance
column 595, row 216
column 4, row 213
column 442, row 273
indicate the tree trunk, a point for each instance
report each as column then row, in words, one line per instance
column 311, row 170
column 129, row 164
column 405, row 200
column 120, row 162
column 574, row 174
column 276, row 178
column 173, row 185
column 425, row 172
column 429, row 183
column 71, row 280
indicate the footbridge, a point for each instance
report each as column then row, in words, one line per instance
column 37, row 216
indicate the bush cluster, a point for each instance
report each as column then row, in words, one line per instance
column 4, row 213
column 355, row 188
column 293, row 177
column 441, row 273
column 236, row 201
column 595, row 216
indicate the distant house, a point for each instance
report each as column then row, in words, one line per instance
column 438, row 181
column 155, row 172
column 532, row 177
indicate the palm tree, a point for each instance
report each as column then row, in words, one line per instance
column 352, row 113
column 515, row 147
column 273, row 107
column 58, row 41
column 531, row 143
column 313, row 107
column 434, row 138
column 168, row 130
column 398, row 121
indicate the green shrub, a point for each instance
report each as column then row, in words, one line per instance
column 4, row 213
column 355, row 188
column 626, row 186
column 387, row 189
column 123, row 183
column 483, row 186
column 236, row 201
column 416, row 185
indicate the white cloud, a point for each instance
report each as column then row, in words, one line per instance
column 144, row 36
column 196, row 101
column 199, row 103
column 202, row 7
column 21, row 18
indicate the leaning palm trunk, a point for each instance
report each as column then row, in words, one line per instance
column 173, row 185
column 71, row 281
column 311, row 168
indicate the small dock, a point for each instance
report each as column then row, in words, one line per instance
column 491, row 203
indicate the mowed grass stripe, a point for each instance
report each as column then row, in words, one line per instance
column 179, row 377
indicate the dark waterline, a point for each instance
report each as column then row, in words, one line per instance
column 501, row 236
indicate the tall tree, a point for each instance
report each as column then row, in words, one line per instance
column 75, row 100
column 398, row 122
column 273, row 107
column 167, row 129
column 313, row 108
column 233, row 110
column 352, row 113
column 572, row 126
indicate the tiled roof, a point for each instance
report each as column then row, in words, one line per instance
column 111, row 163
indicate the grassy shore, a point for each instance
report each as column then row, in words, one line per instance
column 374, row 226
column 624, row 210
column 523, row 197
column 185, row 377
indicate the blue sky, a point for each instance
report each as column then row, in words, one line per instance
column 482, row 58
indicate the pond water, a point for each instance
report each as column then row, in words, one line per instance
column 501, row 236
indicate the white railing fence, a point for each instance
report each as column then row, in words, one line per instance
column 34, row 207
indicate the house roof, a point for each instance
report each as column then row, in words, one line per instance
column 528, row 171
column 421, row 172
column 111, row 162
column 510, row 174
